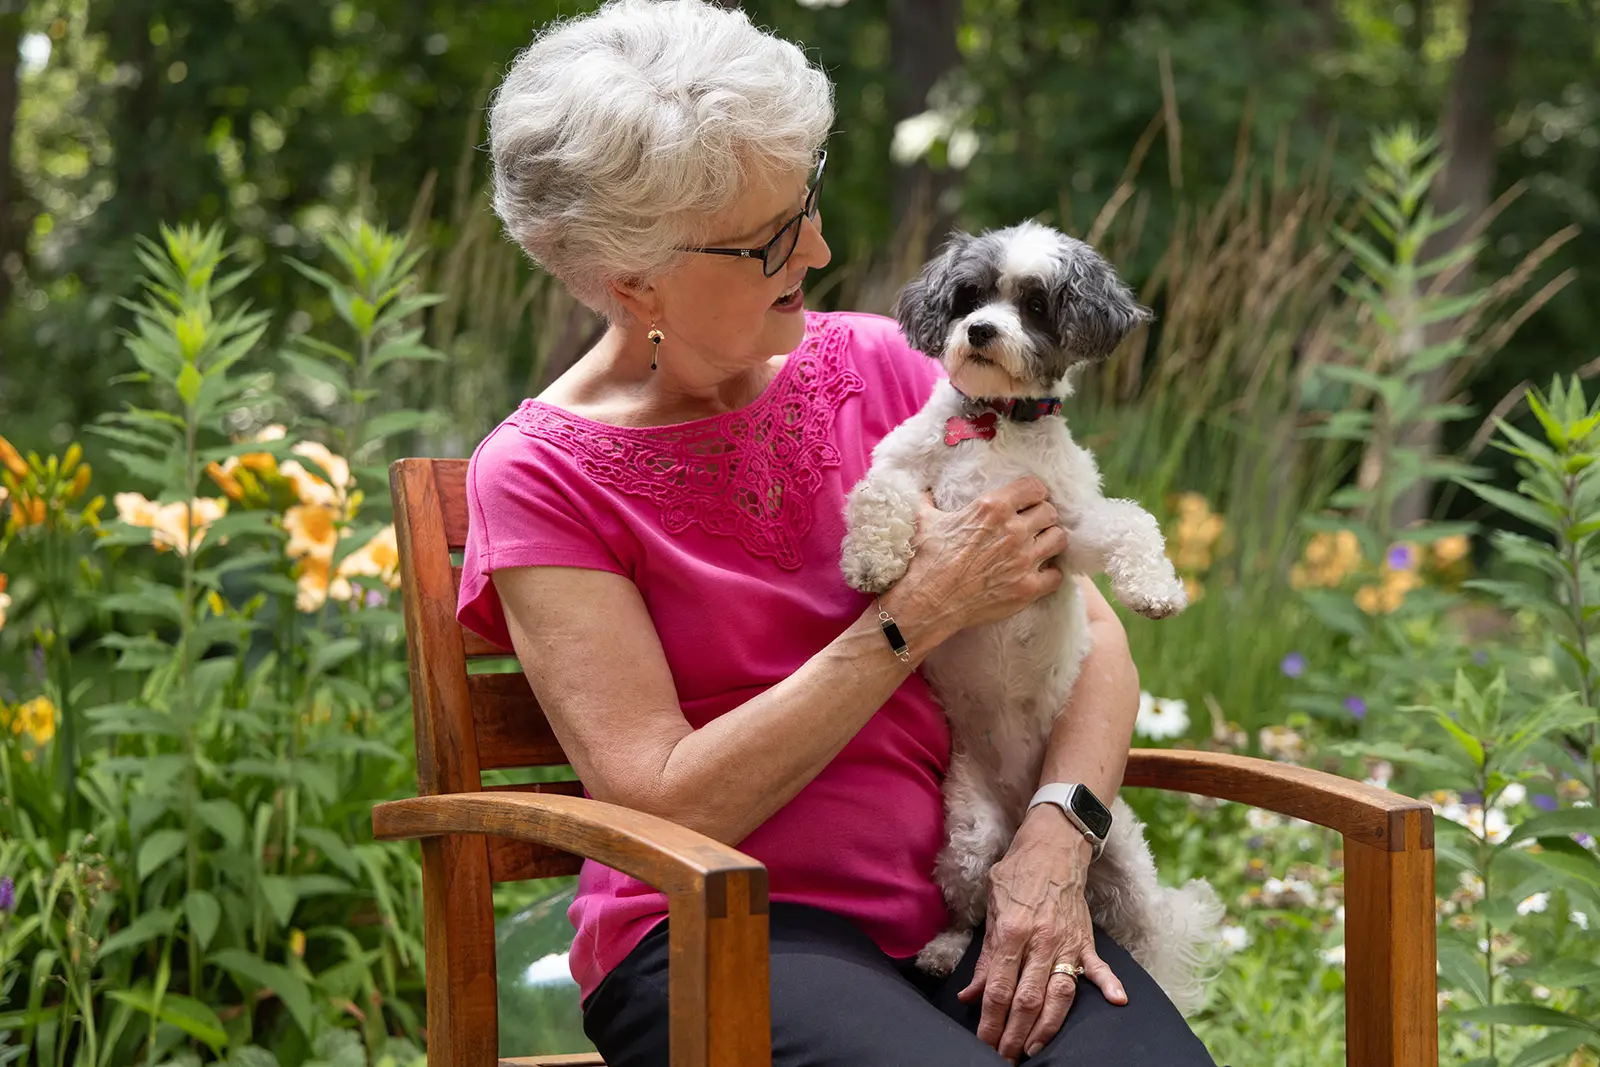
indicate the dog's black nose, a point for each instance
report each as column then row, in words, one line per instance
column 980, row 334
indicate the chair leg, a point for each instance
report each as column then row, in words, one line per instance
column 463, row 1015
column 1391, row 1004
column 720, row 1001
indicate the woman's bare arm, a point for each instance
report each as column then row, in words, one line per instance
column 595, row 662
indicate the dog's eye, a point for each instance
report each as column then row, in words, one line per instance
column 1036, row 306
column 965, row 300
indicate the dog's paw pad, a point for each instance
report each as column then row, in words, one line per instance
column 1162, row 606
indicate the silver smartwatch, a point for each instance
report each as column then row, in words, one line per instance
column 1082, row 809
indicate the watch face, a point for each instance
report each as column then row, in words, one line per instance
column 1086, row 806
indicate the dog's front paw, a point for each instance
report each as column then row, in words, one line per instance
column 870, row 566
column 940, row 956
column 1161, row 602
column 881, row 518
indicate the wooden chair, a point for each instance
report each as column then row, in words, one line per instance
column 472, row 838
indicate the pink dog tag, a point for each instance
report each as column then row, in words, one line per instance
column 958, row 429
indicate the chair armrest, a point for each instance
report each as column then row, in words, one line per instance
column 1360, row 812
column 716, row 899
column 1391, row 1013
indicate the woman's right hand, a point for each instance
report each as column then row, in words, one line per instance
column 986, row 561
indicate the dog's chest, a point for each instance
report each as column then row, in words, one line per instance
column 1044, row 450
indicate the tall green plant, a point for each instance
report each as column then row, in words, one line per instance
column 1559, row 494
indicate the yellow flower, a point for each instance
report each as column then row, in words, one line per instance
column 225, row 480
column 297, row 942
column 1448, row 550
column 314, row 586
column 178, row 525
column 27, row 510
column 80, row 482
column 11, row 459
column 327, row 486
column 36, row 718
column 313, row 531
column 1329, row 560
column 378, row 558
column 1369, row 598
column 1194, row 588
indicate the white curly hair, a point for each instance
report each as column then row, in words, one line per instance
column 616, row 135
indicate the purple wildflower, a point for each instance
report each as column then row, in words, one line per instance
column 1471, row 798
column 8, row 895
column 1293, row 665
column 1583, row 839
column 1545, row 802
column 1356, row 707
column 1481, row 658
column 1401, row 558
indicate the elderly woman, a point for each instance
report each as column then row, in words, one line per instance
column 657, row 536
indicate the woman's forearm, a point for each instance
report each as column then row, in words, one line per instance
column 732, row 774
column 1090, row 739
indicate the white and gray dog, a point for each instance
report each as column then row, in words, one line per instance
column 1012, row 314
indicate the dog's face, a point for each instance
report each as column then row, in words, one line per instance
column 1011, row 312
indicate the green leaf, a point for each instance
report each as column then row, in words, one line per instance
column 287, row 986
column 203, row 913
column 1559, row 824
column 394, row 422
column 281, row 897
column 1526, row 1015
column 333, row 847
column 147, row 927
column 189, row 382
column 192, row 1016
column 223, row 816
column 1521, row 507
column 1551, row 1046
column 157, row 849
column 328, row 656
column 1469, row 744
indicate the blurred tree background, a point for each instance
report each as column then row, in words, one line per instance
column 278, row 117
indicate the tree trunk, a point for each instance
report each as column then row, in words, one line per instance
column 1465, row 183
column 922, row 49
column 11, row 235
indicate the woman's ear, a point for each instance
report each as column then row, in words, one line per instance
column 639, row 298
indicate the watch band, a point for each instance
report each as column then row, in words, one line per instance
column 1060, row 794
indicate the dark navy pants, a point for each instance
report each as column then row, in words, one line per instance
column 838, row 1001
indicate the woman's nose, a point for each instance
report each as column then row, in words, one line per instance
column 812, row 246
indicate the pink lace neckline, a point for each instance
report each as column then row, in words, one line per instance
column 750, row 474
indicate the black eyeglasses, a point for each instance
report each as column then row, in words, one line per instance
column 776, row 252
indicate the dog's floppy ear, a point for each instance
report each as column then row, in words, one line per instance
column 1096, row 311
column 923, row 306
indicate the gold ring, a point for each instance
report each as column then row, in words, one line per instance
column 1074, row 969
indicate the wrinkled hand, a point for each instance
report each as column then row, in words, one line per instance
column 990, row 559
column 1037, row 918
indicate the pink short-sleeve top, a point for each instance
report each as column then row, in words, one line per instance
column 730, row 528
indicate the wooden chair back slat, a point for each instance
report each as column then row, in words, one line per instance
column 511, row 729
column 466, row 723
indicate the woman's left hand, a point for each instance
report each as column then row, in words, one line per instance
column 1037, row 918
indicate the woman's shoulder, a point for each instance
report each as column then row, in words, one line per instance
column 880, row 353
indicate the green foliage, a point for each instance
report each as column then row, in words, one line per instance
column 210, row 886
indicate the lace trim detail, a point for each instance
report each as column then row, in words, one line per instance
column 750, row 474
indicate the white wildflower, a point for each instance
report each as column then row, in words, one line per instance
column 1258, row 819
column 1512, row 795
column 1333, row 957
column 1537, row 902
column 1471, row 885
column 1540, row 992
column 1235, row 938
column 1579, row 919
column 1161, row 719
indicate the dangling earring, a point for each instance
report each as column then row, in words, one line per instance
column 656, row 337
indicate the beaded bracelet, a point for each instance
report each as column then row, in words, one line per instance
column 892, row 632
